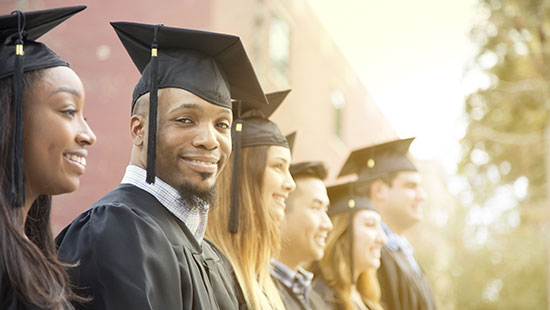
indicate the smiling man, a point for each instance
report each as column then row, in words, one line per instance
column 304, row 230
column 141, row 246
column 394, row 186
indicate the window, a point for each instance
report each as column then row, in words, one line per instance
column 338, row 101
column 279, row 47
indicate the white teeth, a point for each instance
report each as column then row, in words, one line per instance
column 76, row 158
column 320, row 240
column 202, row 162
column 280, row 199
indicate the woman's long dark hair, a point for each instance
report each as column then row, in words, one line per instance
column 28, row 259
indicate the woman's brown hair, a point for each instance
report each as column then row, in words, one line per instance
column 28, row 258
column 257, row 240
column 334, row 268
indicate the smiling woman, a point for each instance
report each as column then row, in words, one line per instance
column 346, row 274
column 43, row 136
column 254, row 205
column 276, row 183
column 257, row 239
column 55, row 133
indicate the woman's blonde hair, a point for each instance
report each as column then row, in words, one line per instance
column 334, row 268
column 257, row 240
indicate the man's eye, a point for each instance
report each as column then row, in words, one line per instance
column 223, row 125
column 184, row 120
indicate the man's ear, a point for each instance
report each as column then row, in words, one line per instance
column 138, row 125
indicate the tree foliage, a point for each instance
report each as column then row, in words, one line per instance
column 507, row 143
column 505, row 138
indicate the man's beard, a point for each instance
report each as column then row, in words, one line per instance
column 193, row 197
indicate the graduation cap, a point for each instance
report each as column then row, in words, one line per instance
column 257, row 129
column 20, row 52
column 213, row 66
column 379, row 160
column 344, row 201
column 316, row 169
column 251, row 127
column 291, row 139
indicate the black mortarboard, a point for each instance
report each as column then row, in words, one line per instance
column 342, row 201
column 213, row 66
column 21, row 53
column 251, row 127
column 291, row 140
column 257, row 129
column 379, row 160
column 316, row 169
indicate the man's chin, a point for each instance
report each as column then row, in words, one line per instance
column 198, row 194
column 206, row 176
column 201, row 183
column 204, row 186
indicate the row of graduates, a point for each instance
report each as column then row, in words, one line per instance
column 206, row 160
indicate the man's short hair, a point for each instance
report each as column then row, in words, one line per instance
column 141, row 106
column 314, row 169
column 363, row 187
column 308, row 169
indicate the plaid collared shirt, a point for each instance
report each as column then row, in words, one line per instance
column 298, row 281
column 194, row 218
column 396, row 242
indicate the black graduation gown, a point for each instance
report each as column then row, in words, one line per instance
column 132, row 253
column 292, row 302
column 231, row 284
column 402, row 287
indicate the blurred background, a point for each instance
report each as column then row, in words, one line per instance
column 470, row 79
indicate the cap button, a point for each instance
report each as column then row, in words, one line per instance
column 371, row 163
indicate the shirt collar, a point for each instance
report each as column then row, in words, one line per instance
column 288, row 276
column 194, row 218
column 395, row 241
